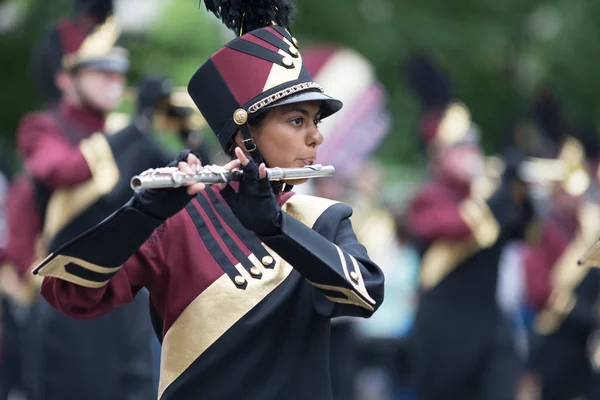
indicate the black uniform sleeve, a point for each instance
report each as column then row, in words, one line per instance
column 94, row 257
column 341, row 269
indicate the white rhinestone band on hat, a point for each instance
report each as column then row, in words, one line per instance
column 282, row 94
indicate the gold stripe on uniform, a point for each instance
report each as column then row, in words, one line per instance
column 481, row 221
column 222, row 305
column 66, row 204
column 443, row 256
column 56, row 269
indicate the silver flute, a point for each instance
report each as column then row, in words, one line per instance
column 172, row 177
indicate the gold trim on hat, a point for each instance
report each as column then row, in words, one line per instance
column 99, row 44
column 283, row 94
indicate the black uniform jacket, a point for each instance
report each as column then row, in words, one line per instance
column 243, row 317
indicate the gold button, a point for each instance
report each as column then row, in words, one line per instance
column 255, row 271
column 294, row 51
column 239, row 280
column 295, row 42
column 354, row 275
column 240, row 116
column 287, row 61
column 267, row 260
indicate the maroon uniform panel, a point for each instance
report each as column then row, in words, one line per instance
column 50, row 150
column 540, row 258
column 434, row 214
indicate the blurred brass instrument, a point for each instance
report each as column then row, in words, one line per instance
column 172, row 177
column 567, row 170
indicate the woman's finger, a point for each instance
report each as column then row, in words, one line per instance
column 184, row 167
column 262, row 171
column 193, row 160
column 241, row 156
column 231, row 165
column 195, row 188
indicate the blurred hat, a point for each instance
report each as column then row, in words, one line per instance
column 444, row 121
column 172, row 105
column 97, row 50
column 99, row 9
column 448, row 127
column 151, row 91
column 258, row 70
column 67, row 46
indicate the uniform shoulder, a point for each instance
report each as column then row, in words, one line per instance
column 307, row 202
column 37, row 118
column 32, row 125
column 309, row 209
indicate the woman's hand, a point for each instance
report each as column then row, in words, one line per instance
column 254, row 204
column 164, row 203
column 192, row 165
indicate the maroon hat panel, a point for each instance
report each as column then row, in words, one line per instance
column 71, row 37
column 244, row 74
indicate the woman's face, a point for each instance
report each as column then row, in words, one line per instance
column 462, row 163
column 289, row 136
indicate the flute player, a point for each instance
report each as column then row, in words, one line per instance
column 245, row 278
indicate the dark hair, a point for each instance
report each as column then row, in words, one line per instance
column 254, row 121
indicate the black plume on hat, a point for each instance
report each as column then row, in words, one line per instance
column 101, row 9
column 548, row 114
column 428, row 81
column 242, row 16
column 45, row 63
column 587, row 133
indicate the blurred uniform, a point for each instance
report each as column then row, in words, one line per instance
column 462, row 345
column 566, row 348
column 80, row 176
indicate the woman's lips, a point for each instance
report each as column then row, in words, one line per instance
column 308, row 161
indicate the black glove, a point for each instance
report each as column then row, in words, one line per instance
column 163, row 203
column 254, row 203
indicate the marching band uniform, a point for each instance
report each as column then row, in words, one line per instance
column 81, row 176
column 461, row 342
column 245, row 282
column 565, row 343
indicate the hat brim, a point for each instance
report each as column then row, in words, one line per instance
column 106, row 64
column 329, row 105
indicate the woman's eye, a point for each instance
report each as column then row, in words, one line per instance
column 297, row 121
column 317, row 121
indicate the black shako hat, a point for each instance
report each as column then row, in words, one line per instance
column 254, row 72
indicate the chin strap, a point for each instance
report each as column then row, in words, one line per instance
column 252, row 149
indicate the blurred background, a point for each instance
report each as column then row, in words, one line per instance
column 525, row 71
